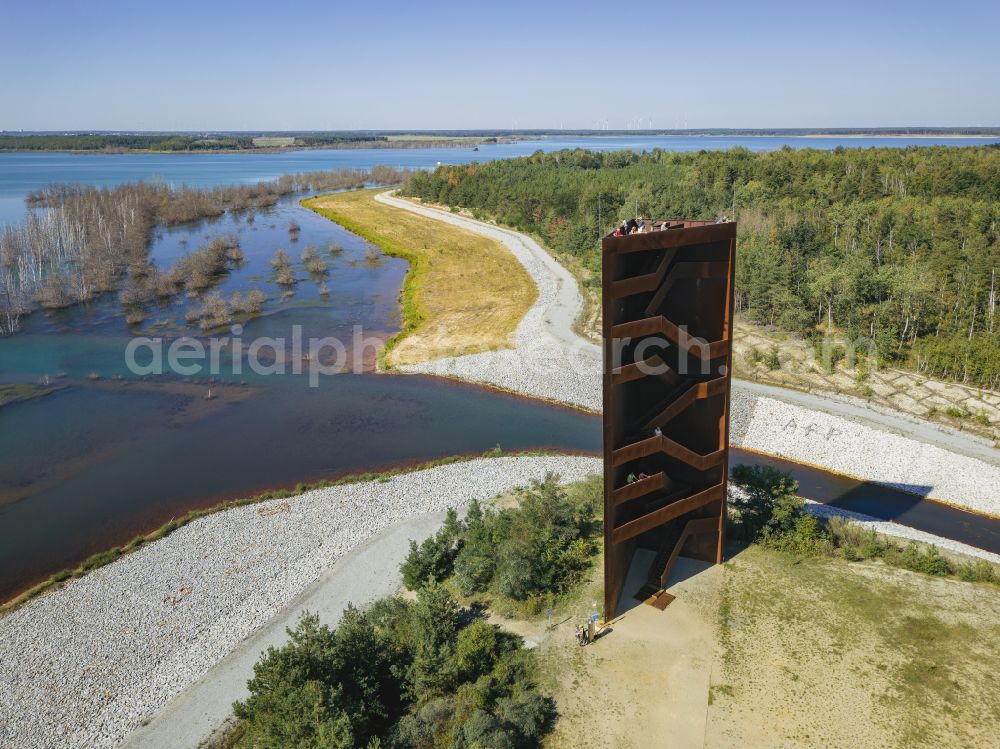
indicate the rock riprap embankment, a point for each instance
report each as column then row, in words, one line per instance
column 848, row 446
column 548, row 359
column 84, row 665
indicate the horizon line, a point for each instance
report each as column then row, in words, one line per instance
column 915, row 129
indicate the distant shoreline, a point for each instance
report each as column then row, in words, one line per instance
column 886, row 135
column 379, row 145
column 974, row 136
column 474, row 139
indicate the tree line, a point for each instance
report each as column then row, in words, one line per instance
column 421, row 675
column 79, row 242
column 898, row 246
column 164, row 142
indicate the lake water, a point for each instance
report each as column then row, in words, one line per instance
column 21, row 173
column 884, row 502
column 111, row 454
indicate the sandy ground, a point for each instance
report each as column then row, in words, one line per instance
column 773, row 652
column 822, row 653
column 645, row 683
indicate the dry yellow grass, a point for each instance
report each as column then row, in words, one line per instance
column 822, row 653
column 463, row 294
column 770, row 651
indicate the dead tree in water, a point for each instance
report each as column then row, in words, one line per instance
column 87, row 241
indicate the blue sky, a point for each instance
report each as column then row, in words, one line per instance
column 387, row 65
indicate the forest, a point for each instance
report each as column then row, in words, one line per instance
column 418, row 675
column 896, row 246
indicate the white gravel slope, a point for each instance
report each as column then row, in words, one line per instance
column 549, row 360
column 799, row 426
column 861, row 449
column 85, row 665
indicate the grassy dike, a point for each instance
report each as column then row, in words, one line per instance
column 463, row 294
column 588, row 324
column 103, row 558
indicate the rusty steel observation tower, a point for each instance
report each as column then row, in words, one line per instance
column 668, row 310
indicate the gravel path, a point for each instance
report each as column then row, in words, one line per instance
column 362, row 576
column 85, row 665
column 549, row 360
column 835, row 434
column 827, row 434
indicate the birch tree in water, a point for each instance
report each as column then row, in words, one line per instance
column 79, row 242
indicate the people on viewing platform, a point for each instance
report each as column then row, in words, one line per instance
column 632, row 226
column 641, row 226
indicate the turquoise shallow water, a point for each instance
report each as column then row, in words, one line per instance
column 113, row 454
column 103, row 459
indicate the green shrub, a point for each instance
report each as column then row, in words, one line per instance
column 475, row 566
column 435, row 620
column 856, row 543
column 772, row 360
column 297, row 695
column 404, row 675
column 541, row 547
column 792, row 529
column 851, row 553
column 978, row 571
column 101, row 559
column 434, row 559
column 873, row 547
column 837, row 355
column 770, row 513
column 760, row 488
column 929, row 561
